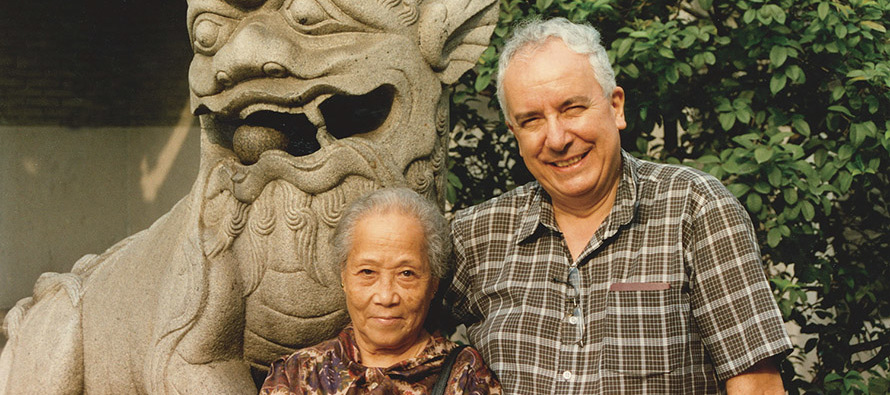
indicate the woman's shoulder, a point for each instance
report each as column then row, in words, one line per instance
column 470, row 374
column 470, row 355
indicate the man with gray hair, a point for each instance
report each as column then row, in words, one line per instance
column 607, row 274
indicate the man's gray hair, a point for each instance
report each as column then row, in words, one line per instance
column 580, row 38
column 436, row 236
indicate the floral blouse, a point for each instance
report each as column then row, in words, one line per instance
column 333, row 367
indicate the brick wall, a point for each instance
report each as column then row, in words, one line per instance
column 92, row 62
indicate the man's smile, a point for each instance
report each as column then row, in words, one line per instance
column 569, row 162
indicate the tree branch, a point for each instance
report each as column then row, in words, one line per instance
column 879, row 342
column 874, row 361
column 695, row 12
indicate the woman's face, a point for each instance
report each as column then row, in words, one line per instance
column 388, row 283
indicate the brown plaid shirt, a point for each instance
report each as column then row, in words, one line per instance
column 671, row 289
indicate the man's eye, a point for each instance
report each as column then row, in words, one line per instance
column 408, row 273
column 574, row 110
column 530, row 122
column 366, row 272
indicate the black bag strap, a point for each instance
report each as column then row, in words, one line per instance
column 445, row 373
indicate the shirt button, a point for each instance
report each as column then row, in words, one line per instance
column 573, row 320
column 567, row 375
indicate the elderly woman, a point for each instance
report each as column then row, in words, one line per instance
column 393, row 248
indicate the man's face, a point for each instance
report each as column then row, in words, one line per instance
column 566, row 128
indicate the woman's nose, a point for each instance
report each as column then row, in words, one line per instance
column 386, row 292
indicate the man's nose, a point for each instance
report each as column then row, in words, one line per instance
column 386, row 292
column 557, row 137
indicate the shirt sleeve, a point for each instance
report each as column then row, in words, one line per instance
column 732, row 303
column 470, row 375
column 457, row 298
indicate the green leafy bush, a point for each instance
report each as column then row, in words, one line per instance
column 787, row 103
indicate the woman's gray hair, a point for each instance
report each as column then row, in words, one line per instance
column 580, row 38
column 437, row 239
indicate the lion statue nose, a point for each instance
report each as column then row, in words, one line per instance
column 241, row 59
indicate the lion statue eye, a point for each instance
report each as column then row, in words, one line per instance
column 210, row 32
column 307, row 13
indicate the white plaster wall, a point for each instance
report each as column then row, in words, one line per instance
column 69, row 192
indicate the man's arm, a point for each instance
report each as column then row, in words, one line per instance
column 762, row 378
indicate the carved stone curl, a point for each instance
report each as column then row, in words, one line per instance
column 304, row 106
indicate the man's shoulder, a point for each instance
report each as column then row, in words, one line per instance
column 514, row 198
column 677, row 177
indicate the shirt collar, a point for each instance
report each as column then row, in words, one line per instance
column 538, row 207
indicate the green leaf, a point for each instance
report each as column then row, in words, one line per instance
column 857, row 134
column 838, row 92
column 482, row 81
column 840, row 109
column 796, row 151
column 777, row 56
column 874, row 26
column 450, row 193
column 807, row 210
column 453, row 179
column 840, row 31
column 747, row 140
column 844, row 180
column 672, row 75
column 777, row 82
column 749, row 16
column 790, row 195
column 775, row 177
column 738, row 190
column 763, row 154
column 845, row 152
column 727, row 120
column 705, row 4
column 710, row 58
column 666, row 52
column 624, row 46
column 822, row 10
column 801, row 126
column 754, row 202
column 762, row 187
column 778, row 13
column 773, row 238
column 632, row 71
column 543, row 4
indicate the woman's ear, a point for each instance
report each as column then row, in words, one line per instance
column 342, row 276
column 434, row 288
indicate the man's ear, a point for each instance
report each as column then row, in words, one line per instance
column 453, row 34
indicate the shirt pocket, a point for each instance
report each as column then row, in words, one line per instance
column 645, row 329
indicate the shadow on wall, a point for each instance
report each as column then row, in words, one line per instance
column 69, row 192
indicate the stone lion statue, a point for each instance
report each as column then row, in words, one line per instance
column 304, row 105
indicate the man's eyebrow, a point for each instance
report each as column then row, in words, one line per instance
column 524, row 115
column 575, row 100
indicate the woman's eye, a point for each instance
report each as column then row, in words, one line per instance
column 408, row 273
column 366, row 272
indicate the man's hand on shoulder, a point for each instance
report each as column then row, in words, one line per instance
column 762, row 378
